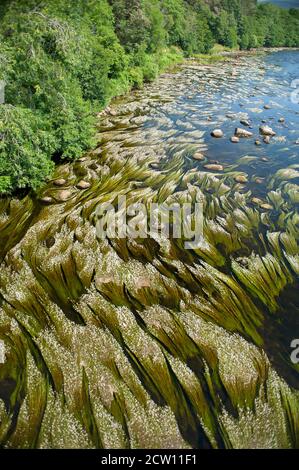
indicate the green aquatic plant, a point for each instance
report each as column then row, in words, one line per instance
column 123, row 342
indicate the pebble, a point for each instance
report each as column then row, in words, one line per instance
column 83, row 184
column 259, row 180
column 268, row 131
column 241, row 179
column 218, row 133
column 47, row 200
column 258, row 142
column 214, row 167
column 234, row 139
column 257, row 201
column 50, row 242
column 63, row 195
column 266, row 207
column 242, row 133
column 59, row 182
column 244, row 122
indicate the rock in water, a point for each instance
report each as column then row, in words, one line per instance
column 259, row 180
column 198, row 156
column 234, row 139
column 59, row 182
column 244, row 122
column 64, row 195
column 218, row 133
column 257, row 201
column 267, row 131
column 242, row 133
column 241, row 179
column 266, row 207
column 214, row 167
column 83, row 185
column 267, row 139
column 46, row 200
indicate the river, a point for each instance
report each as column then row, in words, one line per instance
column 139, row 342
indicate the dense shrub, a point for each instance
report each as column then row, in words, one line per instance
column 26, row 144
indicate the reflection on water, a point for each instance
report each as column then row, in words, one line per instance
column 141, row 343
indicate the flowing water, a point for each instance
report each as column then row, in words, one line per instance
column 124, row 342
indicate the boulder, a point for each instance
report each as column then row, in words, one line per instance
column 242, row 133
column 267, row 131
column 214, row 167
column 47, row 200
column 83, row 184
column 234, row 139
column 50, row 242
column 231, row 116
column 63, row 195
column 241, row 179
column 59, row 182
column 154, row 166
column 266, row 207
column 93, row 166
column 198, row 156
column 245, row 122
column 218, row 133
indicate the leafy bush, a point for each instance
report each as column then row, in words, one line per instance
column 26, row 144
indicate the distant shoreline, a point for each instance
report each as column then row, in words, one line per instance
column 259, row 49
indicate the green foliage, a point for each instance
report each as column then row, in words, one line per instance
column 62, row 61
column 26, row 144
